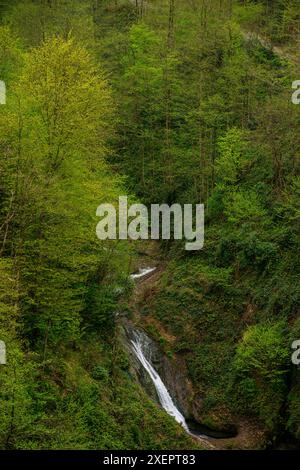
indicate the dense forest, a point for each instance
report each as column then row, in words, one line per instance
column 166, row 101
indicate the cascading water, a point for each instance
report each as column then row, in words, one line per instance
column 142, row 273
column 141, row 348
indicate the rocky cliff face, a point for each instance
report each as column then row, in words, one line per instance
column 174, row 375
column 136, row 368
column 172, row 372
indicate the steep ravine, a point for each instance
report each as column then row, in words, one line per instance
column 175, row 381
column 173, row 373
column 164, row 380
column 144, row 353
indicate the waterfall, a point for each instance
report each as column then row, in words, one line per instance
column 142, row 273
column 142, row 349
column 141, row 346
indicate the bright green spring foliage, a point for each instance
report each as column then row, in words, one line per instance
column 206, row 116
column 59, row 114
column 66, row 383
column 170, row 101
column 260, row 365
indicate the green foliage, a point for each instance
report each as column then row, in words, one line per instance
column 10, row 54
column 67, row 284
column 187, row 105
column 242, row 207
column 17, row 375
column 260, row 368
column 66, row 114
column 233, row 157
column 35, row 21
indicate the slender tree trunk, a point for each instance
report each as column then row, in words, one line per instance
column 171, row 24
column 170, row 45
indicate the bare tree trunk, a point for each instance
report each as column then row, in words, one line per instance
column 170, row 44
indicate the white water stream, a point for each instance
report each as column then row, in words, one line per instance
column 141, row 350
column 142, row 272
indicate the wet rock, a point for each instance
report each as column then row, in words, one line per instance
column 136, row 368
column 172, row 373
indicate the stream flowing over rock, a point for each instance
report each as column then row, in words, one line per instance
column 172, row 374
column 142, row 348
column 164, row 379
column 156, row 374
